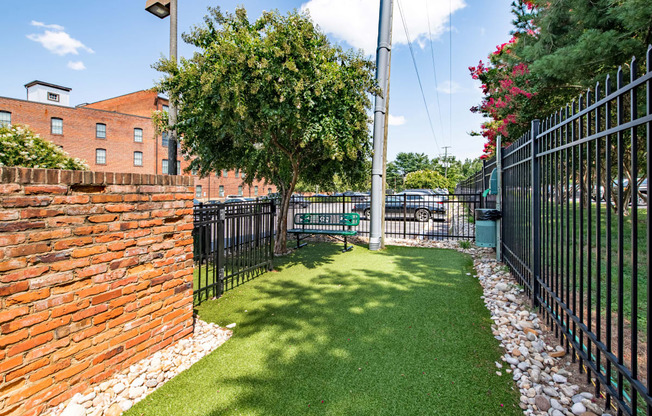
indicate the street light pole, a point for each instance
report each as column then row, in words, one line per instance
column 163, row 9
column 172, row 115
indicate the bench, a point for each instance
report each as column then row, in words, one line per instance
column 304, row 222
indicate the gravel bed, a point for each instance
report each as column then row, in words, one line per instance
column 123, row 390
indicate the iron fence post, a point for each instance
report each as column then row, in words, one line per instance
column 220, row 249
column 272, row 216
column 535, row 220
column 482, row 199
column 499, row 197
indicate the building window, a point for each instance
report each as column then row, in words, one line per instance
column 225, row 173
column 165, row 107
column 138, row 135
column 237, row 173
column 178, row 167
column 194, row 171
column 240, row 190
column 242, row 175
column 100, row 156
column 138, row 158
column 269, row 190
column 164, row 139
column 164, row 167
column 198, row 191
column 221, row 190
column 100, row 131
column 53, row 97
column 255, row 191
column 56, row 126
column 5, row 118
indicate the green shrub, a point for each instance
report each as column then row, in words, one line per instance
column 20, row 146
column 428, row 179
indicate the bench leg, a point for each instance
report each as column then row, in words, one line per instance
column 298, row 246
column 346, row 247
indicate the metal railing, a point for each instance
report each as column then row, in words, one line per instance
column 233, row 243
column 576, row 231
column 432, row 217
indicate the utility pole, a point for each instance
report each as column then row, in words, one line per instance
column 446, row 161
column 380, row 113
column 382, row 214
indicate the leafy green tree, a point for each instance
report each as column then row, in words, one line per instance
column 411, row 162
column 558, row 50
column 428, row 179
column 20, row 146
column 274, row 98
column 394, row 177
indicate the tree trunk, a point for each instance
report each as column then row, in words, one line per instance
column 280, row 246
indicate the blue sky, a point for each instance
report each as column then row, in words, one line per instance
column 105, row 49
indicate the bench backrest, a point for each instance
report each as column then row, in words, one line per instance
column 349, row 219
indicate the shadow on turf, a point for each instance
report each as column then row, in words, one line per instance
column 364, row 341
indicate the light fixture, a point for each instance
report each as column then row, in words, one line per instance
column 159, row 8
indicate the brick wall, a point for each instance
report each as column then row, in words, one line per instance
column 121, row 115
column 79, row 131
column 95, row 274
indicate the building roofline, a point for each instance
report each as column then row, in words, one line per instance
column 121, row 95
column 47, row 84
column 76, row 108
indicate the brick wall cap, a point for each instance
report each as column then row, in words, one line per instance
column 72, row 177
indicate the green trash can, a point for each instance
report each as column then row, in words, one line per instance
column 485, row 227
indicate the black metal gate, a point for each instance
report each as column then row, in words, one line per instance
column 410, row 216
column 233, row 243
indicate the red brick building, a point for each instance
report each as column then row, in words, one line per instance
column 113, row 135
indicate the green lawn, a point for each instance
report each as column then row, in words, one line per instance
column 398, row 332
column 558, row 253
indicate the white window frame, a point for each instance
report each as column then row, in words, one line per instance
column 138, row 138
column 5, row 118
column 136, row 159
column 99, row 134
column 97, row 156
column 52, row 127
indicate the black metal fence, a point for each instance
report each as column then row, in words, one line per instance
column 430, row 217
column 233, row 243
column 479, row 182
column 576, row 230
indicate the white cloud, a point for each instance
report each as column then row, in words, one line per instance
column 76, row 65
column 57, row 41
column 356, row 21
column 396, row 120
column 447, row 87
column 43, row 25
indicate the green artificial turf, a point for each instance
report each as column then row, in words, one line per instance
column 398, row 332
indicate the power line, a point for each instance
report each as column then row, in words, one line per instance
column 414, row 61
column 434, row 70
